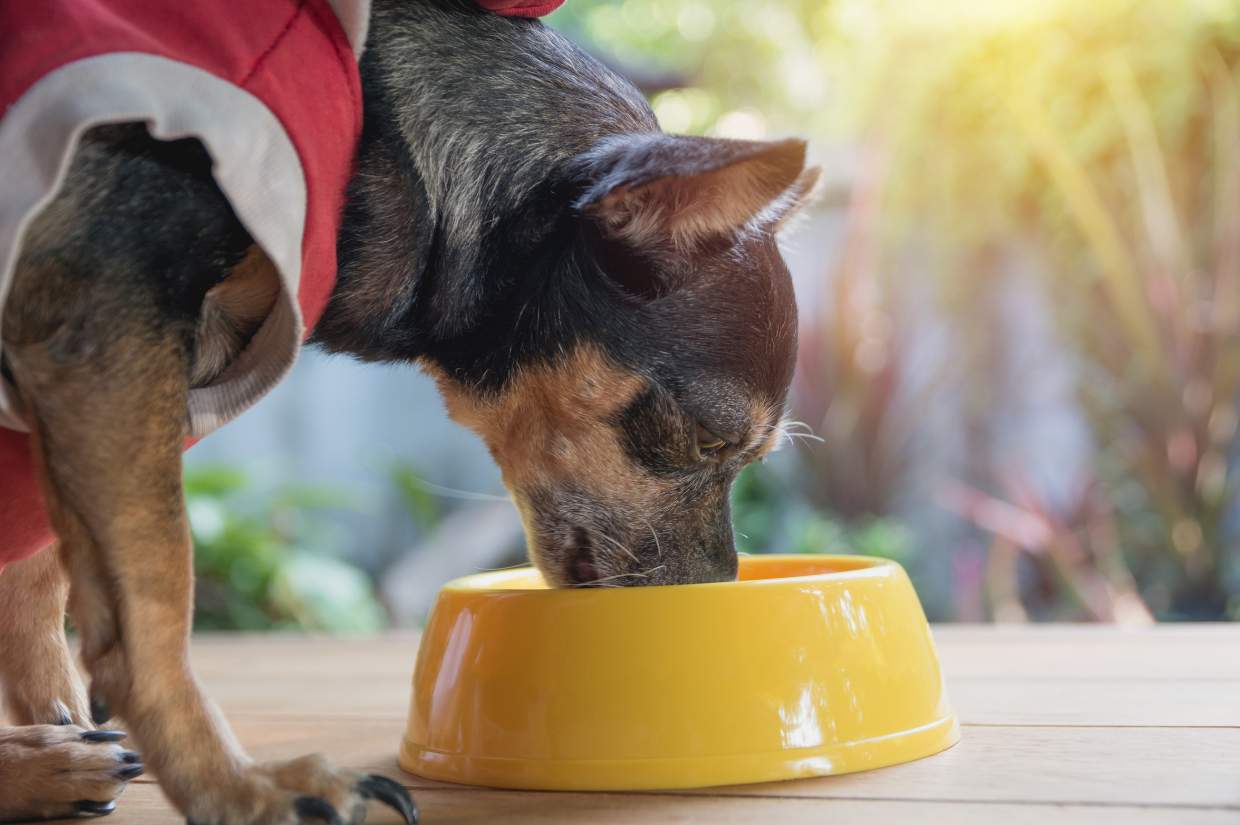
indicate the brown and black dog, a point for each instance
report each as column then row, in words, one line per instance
column 603, row 303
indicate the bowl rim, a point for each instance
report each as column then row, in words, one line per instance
column 861, row 567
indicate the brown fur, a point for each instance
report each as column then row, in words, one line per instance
column 768, row 433
column 687, row 209
column 232, row 313
column 47, row 770
column 551, row 421
column 41, row 685
column 555, row 426
column 551, row 426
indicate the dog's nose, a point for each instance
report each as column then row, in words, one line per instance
column 581, row 567
column 582, row 570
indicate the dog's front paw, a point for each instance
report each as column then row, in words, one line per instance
column 41, row 691
column 54, row 771
column 305, row 791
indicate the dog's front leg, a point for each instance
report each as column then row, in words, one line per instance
column 40, row 684
column 52, row 766
column 107, row 405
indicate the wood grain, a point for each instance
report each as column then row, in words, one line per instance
column 1091, row 766
column 1070, row 724
column 143, row 805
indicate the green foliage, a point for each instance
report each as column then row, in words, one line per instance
column 262, row 562
column 1102, row 135
column 423, row 506
column 769, row 517
column 963, row 95
column 759, row 63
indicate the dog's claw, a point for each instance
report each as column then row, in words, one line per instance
column 312, row 807
column 390, row 793
column 88, row 807
column 99, row 712
column 103, row 736
column 130, row 771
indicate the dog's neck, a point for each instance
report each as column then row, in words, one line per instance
column 471, row 124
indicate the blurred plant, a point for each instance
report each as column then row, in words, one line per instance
column 771, row 517
column 260, row 561
column 1080, row 572
column 854, row 387
column 755, row 68
column 1103, row 135
column 1106, row 134
column 420, row 498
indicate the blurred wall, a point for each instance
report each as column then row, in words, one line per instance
column 343, row 425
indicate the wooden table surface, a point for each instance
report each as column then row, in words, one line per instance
column 1061, row 724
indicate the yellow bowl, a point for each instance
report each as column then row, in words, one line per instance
column 809, row 665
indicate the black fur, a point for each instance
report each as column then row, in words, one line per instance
column 149, row 215
column 539, row 279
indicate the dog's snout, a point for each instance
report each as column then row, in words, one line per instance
column 578, row 539
column 587, row 562
column 705, row 565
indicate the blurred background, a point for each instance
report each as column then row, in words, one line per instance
column 1020, row 327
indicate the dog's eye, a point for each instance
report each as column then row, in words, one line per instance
column 708, row 443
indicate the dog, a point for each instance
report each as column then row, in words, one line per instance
column 603, row 303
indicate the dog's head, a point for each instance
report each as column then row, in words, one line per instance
column 653, row 359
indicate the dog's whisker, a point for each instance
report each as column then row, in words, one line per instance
column 603, row 581
column 790, row 432
column 451, row 492
column 617, row 545
column 657, row 546
column 789, row 423
column 505, row 567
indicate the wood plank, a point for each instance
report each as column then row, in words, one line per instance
column 1104, row 702
column 1036, row 652
column 1086, row 766
column 1091, row 652
column 1111, row 766
column 1166, row 631
column 143, row 805
column 1079, row 724
column 1018, row 701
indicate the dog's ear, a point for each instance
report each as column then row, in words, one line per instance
column 658, row 189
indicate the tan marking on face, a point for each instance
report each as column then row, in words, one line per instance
column 766, row 434
column 550, row 426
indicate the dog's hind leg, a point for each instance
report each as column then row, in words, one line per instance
column 40, row 683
